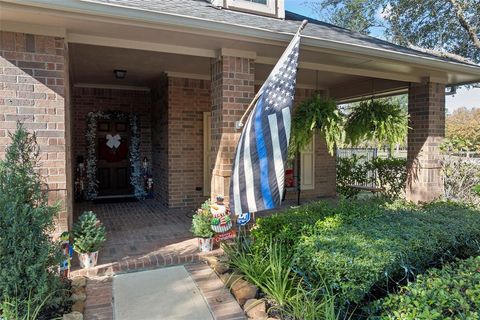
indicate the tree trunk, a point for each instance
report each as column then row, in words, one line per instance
column 464, row 23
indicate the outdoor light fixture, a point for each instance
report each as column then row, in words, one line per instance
column 120, row 74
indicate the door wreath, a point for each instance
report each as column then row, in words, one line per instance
column 136, row 177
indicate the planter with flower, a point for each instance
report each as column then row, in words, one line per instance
column 89, row 235
column 201, row 223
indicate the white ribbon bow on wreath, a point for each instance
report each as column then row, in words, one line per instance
column 113, row 141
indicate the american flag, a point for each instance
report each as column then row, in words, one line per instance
column 259, row 166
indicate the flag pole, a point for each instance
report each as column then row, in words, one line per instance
column 239, row 124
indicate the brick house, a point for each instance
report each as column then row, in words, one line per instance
column 192, row 68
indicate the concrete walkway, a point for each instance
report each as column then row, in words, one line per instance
column 168, row 293
column 191, row 291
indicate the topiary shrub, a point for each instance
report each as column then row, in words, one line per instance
column 452, row 292
column 29, row 258
column 88, row 233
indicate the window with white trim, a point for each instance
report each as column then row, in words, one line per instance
column 274, row 8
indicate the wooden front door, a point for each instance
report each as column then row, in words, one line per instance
column 113, row 141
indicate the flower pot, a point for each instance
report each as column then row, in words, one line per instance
column 205, row 244
column 88, row 260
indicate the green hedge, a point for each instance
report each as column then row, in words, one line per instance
column 452, row 292
column 287, row 226
column 357, row 246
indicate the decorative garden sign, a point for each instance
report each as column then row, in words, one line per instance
column 136, row 178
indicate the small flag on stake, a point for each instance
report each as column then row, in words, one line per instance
column 259, row 165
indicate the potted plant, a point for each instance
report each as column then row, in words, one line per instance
column 201, row 222
column 89, row 235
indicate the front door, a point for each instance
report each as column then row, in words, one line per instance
column 113, row 139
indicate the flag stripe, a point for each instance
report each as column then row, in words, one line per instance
column 262, row 157
column 247, row 163
column 277, row 155
column 286, row 122
column 236, row 178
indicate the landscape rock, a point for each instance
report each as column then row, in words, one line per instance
column 79, row 290
column 78, row 296
column 218, row 264
column 211, row 259
column 243, row 290
column 229, row 279
column 79, row 306
column 73, row 316
column 221, row 267
column 255, row 309
column 78, row 282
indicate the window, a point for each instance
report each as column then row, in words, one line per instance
column 264, row 7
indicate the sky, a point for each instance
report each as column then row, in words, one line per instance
column 463, row 97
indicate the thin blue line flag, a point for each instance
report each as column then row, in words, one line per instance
column 259, row 165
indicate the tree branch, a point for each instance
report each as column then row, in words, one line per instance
column 464, row 23
column 442, row 54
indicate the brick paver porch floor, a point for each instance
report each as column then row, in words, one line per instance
column 143, row 235
column 140, row 235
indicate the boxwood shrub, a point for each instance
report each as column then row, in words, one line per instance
column 452, row 292
column 363, row 247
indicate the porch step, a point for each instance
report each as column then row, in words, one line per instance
column 146, row 262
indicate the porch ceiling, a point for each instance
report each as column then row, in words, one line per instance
column 95, row 64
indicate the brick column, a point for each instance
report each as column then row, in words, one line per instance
column 426, row 106
column 232, row 91
column 32, row 90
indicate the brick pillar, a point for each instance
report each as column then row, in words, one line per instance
column 426, row 106
column 32, row 90
column 232, row 91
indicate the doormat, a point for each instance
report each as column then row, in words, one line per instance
column 114, row 199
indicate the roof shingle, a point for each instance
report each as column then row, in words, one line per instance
column 204, row 10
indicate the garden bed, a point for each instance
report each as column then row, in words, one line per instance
column 362, row 250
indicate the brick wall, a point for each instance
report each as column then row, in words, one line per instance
column 232, row 91
column 160, row 139
column 32, row 80
column 187, row 100
column 426, row 106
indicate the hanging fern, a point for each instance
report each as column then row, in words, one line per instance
column 376, row 120
column 320, row 114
